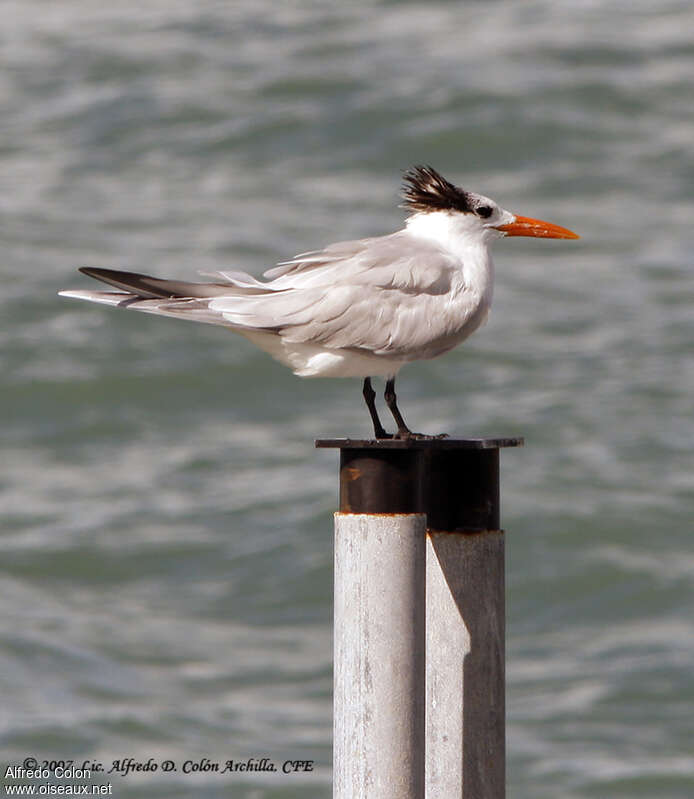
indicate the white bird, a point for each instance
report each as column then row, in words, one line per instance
column 356, row 308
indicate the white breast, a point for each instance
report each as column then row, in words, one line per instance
column 466, row 239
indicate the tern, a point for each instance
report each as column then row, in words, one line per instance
column 361, row 308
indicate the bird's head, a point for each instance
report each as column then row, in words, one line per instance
column 425, row 191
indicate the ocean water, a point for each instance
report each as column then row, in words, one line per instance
column 166, row 522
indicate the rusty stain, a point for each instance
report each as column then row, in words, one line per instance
column 352, row 473
column 350, row 512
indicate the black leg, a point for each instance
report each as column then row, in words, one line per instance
column 369, row 397
column 391, row 402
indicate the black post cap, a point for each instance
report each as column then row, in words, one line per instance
column 455, row 481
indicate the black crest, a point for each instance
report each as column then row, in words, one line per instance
column 426, row 190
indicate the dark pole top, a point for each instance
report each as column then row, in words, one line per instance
column 429, row 444
column 455, row 481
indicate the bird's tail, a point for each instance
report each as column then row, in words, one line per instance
column 177, row 298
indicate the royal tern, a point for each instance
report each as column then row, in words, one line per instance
column 356, row 308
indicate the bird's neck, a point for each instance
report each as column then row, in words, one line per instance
column 456, row 233
column 463, row 239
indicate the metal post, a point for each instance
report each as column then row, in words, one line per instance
column 419, row 620
column 379, row 655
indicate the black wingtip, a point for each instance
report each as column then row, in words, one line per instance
column 144, row 286
column 104, row 274
column 150, row 288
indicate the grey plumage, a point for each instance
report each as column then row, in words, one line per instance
column 370, row 294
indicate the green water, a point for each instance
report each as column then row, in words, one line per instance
column 166, row 522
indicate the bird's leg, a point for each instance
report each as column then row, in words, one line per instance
column 369, row 397
column 391, row 402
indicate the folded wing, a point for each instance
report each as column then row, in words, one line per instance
column 392, row 295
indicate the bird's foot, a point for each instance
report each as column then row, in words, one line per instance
column 408, row 435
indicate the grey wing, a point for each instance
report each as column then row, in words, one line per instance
column 398, row 261
column 385, row 295
column 389, row 295
column 315, row 259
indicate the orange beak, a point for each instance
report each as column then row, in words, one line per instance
column 525, row 226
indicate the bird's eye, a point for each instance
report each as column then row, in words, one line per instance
column 485, row 211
